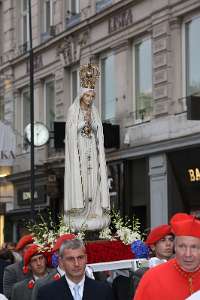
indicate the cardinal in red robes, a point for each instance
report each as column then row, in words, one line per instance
column 178, row 278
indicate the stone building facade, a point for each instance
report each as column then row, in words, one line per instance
column 148, row 56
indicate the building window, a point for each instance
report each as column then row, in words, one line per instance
column 25, row 97
column 192, row 57
column 74, row 7
column 1, row 32
column 49, row 94
column 108, row 88
column 25, row 24
column 72, row 12
column 48, row 28
column 74, row 83
column 143, row 79
column 1, row 107
column 48, row 15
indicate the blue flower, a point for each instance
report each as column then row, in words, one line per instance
column 140, row 249
column 54, row 260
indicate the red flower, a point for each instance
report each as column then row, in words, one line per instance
column 31, row 284
column 56, row 276
column 105, row 251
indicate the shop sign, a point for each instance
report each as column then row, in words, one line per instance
column 194, row 174
column 24, row 196
column 7, row 155
column 120, row 21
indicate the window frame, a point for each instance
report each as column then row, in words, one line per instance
column 77, row 11
column 24, row 13
column 134, row 77
column 46, row 81
column 73, row 69
column 44, row 26
column 2, row 107
column 186, row 21
column 102, row 57
column 1, row 30
column 23, row 91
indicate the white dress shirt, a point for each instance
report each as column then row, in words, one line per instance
column 72, row 285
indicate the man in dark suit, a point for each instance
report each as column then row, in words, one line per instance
column 74, row 284
column 14, row 272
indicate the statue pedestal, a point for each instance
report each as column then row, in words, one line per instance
column 91, row 223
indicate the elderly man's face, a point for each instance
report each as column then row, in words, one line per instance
column 187, row 250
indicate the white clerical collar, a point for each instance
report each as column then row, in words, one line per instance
column 60, row 271
column 72, row 285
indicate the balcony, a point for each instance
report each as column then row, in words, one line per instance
column 102, row 4
column 139, row 116
column 48, row 34
column 72, row 20
column 24, row 48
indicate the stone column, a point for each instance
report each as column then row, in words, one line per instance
column 158, row 189
column 8, row 98
column 161, row 82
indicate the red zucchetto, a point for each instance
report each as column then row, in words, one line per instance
column 157, row 233
column 185, row 225
column 61, row 239
column 25, row 240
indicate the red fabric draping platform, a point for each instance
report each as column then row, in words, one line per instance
column 105, row 251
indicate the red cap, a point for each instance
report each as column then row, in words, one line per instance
column 158, row 233
column 61, row 239
column 30, row 252
column 185, row 225
column 25, row 240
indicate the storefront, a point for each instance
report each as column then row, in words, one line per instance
column 184, row 181
column 129, row 188
column 17, row 218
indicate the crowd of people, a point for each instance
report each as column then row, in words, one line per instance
column 30, row 272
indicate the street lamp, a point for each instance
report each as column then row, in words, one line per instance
column 31, row 114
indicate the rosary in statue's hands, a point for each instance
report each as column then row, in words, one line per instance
column 87, row 129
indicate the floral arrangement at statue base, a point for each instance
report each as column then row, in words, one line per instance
column 124, row 244
column 118, row 246
column 107, row 251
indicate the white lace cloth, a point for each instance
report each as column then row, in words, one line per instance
column 155, row 261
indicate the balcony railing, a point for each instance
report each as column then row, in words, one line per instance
column 24, row 48
column 48, row 34
column 72, row 20
column 139, row 116
column 102, row 4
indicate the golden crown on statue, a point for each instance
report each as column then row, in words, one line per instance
column 88, row 75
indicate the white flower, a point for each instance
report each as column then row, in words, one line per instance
column 105, row 234
column 127, row 236
column 126, row 230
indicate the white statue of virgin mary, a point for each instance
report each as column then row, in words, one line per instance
column 86, row 200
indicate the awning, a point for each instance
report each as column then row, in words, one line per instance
column 7, row 145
